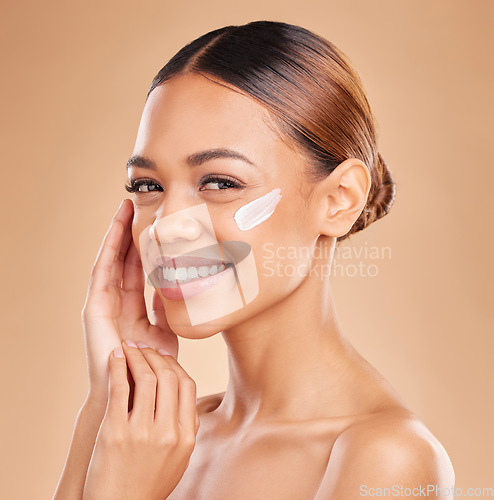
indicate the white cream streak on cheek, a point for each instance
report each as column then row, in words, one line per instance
column 257, row 211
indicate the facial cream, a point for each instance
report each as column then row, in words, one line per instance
column 258, row 210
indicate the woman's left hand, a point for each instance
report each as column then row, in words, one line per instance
column 143, row 454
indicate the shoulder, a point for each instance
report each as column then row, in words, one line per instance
column 392, row 450
column 206, row 404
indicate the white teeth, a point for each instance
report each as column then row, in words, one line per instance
column 169, row 273
column 203, row 271
column 181, row 273
column 189, row 273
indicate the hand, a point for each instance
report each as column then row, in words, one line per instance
column 143, row 454
column 115, row 306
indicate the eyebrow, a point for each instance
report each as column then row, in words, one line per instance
column 191, row 160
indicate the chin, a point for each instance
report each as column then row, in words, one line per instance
column 179, row 319
column 196, row 332
column 207, row 314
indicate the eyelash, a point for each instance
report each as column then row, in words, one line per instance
column 134, row 185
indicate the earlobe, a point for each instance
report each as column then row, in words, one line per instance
column 342, row 197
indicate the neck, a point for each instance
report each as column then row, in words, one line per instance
column 292, row 360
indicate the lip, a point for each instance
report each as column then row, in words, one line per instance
column 187, row 261
column 187, row 290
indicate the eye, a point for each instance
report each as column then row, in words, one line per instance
column 142, row 186
column 213, row 182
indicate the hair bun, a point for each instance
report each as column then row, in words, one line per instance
column 381, row 197
column 385, row 193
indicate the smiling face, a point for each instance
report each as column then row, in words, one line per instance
column 197, row 206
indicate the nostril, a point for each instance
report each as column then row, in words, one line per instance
column 175, row 228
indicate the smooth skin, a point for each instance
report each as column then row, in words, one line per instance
column 136, row 430
column 115, row 307
column 143, row 453
column 304, row 415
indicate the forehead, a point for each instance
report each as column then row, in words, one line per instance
column 192, row 112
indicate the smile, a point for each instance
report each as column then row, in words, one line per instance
column 191, row 273
column 185, row 276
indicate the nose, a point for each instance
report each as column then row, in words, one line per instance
column 177, row 227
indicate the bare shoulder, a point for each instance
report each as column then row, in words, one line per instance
column 392, row 449
column 206, row 404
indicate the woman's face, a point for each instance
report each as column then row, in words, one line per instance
column 187, row 208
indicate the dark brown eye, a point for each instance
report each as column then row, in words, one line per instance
column 216, row 183
column 143, row 186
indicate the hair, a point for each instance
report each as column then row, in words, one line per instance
column 309, row 88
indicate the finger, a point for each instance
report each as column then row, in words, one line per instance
column 118, row 390
column 119, row 257
column 158, row 318
column 101, row 273
column 187, row 396
column 187, row 411
column 145, row 384
column 133, row 281
column 133, row 274
column 167, row 391
column 125, row 245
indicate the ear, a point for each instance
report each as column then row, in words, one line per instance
column 341, row 197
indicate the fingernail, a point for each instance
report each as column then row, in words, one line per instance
column 130, row 342
column 118, row 353
column 141, row 344
column 164, row 351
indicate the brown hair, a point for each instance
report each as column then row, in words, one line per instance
column 309, row 88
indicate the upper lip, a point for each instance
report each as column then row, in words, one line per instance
column 187, row 261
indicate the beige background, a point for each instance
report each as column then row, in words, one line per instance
column 74, row 80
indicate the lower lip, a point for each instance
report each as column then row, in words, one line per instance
column 191, row 289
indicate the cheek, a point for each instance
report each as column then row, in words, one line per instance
column 257, row 211
column 283, row 247
column 224, row 225
column 136, row 231
column 250, row 223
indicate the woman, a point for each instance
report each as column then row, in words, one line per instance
column 255, row 156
